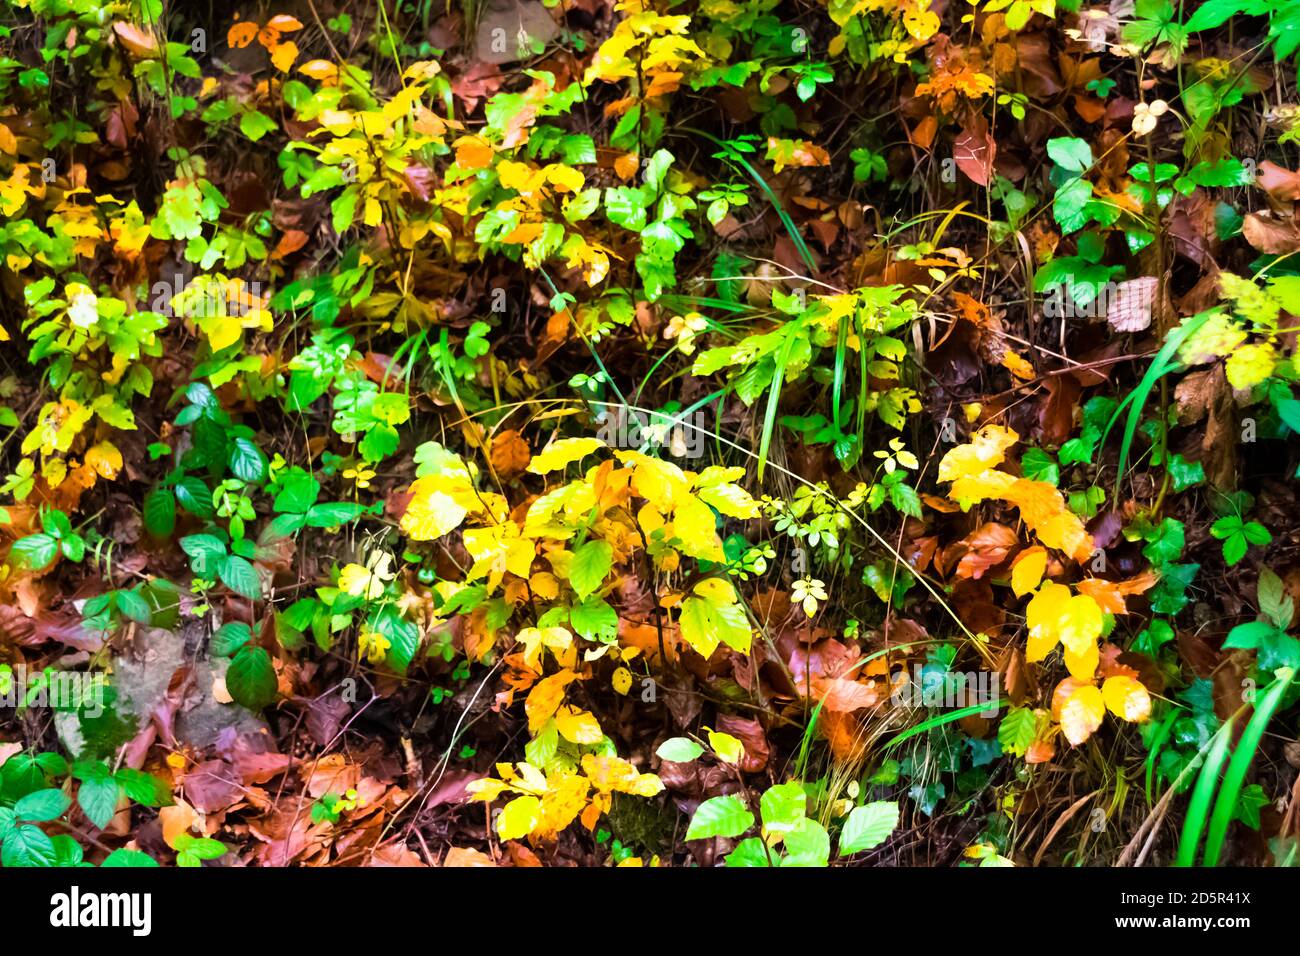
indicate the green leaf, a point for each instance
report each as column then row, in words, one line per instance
column 255, row 125
column 251, row 679
column 720, row 817
column 749, row 853
column 591, row 562
column 241, row 577
column 125, row 857
column 207, row 553
column 868, row 826
column 594, row 619
column 782, row 807
column 1017, row 730
column 27, row 845
column 298, row 492
column 133, row 605
column 1249, row 636
column 807, row 844
column 332, row 514
column 34, row 552
column 145, row 788
column 41, row 805
column 230, row 638
column 194, row 496
column 1071, row 153
column 246, row 460
column 98, row 798
column 679, row 750
column 160, row 512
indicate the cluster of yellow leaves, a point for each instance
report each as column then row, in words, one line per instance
column 627, row 504
column 915, row 24
column 544, row 804
column 222, row 308
column 972, row 470
column 647, row 44
column 1075, row 621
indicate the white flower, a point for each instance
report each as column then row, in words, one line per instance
column 83, row 312
column 1146, row 115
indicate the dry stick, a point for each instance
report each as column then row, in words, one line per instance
column 1060, row 823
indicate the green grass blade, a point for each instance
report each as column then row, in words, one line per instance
column 1136, row 401
column 1242, row 758
column 941, row 719
column 1199, row 807
column 773, row 401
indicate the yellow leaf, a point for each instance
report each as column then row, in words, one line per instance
column 559, row 454
column 284, row 55
column 519, row 817
column 105, row 459
column 367, row 582
column 1028, row 570
column 621, row 680
column 1083, row 665
column 1126, row 698
column 432, row 512
column 545, row 698
column 694, row 524
column 565, row 178
column 578, row 726
column 1041, row 616
column 534, row 639
column 1251, row 364
column 241, row 34
column 1081, row 714
column 987, row 448
column 727, row 747
column 486, row 788
column 661, row 483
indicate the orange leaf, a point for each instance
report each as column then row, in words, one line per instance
column 284, row 55
column 242, row 34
